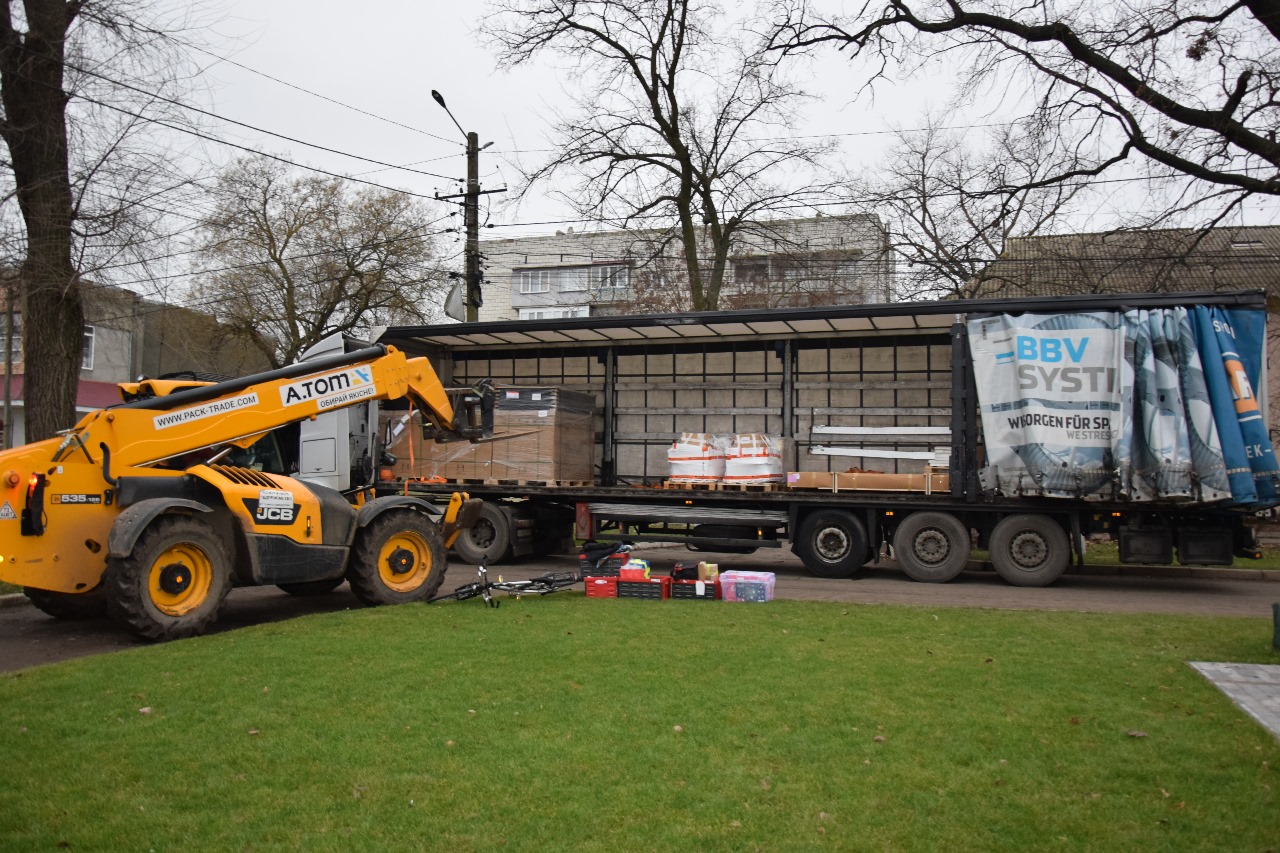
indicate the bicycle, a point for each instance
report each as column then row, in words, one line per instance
column 484, row 588
column 541, row 585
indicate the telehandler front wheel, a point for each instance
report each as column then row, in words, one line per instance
column 173, row 584
column 398, row 558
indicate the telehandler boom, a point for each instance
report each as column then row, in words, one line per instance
column 135, row 510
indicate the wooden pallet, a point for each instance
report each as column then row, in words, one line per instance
column 508, row 482
column 566, row 483
column 724, row 487
column 699, row 487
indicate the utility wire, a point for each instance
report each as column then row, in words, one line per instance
column 275, row 157
column 204, row 112
column 311, row 93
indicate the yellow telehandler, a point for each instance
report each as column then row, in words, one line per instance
column 141, row 509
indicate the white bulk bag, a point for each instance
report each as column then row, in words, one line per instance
column 752, row 458
column 697, row 457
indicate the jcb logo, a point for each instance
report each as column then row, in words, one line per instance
column 272, row 513
column 268, row 514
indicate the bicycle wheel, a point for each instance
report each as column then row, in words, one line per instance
column 462, row 593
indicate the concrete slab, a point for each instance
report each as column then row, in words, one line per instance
column 1254, row 687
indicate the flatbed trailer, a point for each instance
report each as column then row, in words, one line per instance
column 890, row 387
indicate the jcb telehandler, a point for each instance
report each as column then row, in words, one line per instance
column 140, row 510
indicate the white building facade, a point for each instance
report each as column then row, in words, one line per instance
column 822, row 260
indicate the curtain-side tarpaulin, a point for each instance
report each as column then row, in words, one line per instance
column 1141, row 405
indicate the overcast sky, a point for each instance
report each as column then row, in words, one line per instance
column 382, row 58
column 385, row 57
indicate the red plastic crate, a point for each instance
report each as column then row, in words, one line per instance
column 688, row 590
column 601, row 587
column 658, row 589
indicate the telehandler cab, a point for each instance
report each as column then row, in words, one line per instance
column 138, row 511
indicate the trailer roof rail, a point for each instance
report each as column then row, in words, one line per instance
column 779, row 323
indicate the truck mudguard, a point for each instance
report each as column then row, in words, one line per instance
column 129, row 525
column 367, row 513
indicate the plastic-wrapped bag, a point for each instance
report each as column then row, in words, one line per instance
column 697, row 457
column 752, row 458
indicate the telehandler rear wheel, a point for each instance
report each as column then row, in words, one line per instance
column 69, row 605
column 398, row 558
column 173, row 584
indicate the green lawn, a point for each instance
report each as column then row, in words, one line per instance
column 566, row 723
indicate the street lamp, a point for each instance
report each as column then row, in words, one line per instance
column 470, row 214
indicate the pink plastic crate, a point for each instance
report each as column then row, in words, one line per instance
column 746, row 586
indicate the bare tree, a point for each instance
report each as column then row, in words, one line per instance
column 953, row 207
column 676, row 121
column 1186, row 87
column 75, row 166
column 290, row 260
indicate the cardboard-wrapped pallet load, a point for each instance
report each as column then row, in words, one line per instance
column 539, row 435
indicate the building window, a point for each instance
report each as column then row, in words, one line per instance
column 86, row 361
column 553, row 313
column 608, row 278
column 751, row 273
column 573, row 279
column 535, row 281
column 15, row 345
column 611, row 277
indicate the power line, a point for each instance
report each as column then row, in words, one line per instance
column 311, row 93
column 204, row 112
column 275, row 157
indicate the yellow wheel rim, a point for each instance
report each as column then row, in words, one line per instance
column 180, row 579
column 404, row 561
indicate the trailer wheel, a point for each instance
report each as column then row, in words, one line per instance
column 488, row 540
column 68, row 605
column 932, row 547
column 173, row 584
column 398, row 558
column 307, row 588
column 1029, row 550
column 831, row 543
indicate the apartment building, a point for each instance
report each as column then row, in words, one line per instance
column 816, row 261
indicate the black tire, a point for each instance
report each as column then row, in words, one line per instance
column 932, row 547
column 1029, row 550
column 174, row 583
column 309, row 588
column 488, row 541
column 831, row 543
column 69, row 606
column 400, row 557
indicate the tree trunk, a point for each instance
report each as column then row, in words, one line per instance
column 35, row 130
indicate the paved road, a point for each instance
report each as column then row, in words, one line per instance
column 29, row 638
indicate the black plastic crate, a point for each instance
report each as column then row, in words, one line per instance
column 656, row 589
column 687, row 590
column 609, row 569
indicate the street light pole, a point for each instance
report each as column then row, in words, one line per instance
column 470, row 216
column 471, row 220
